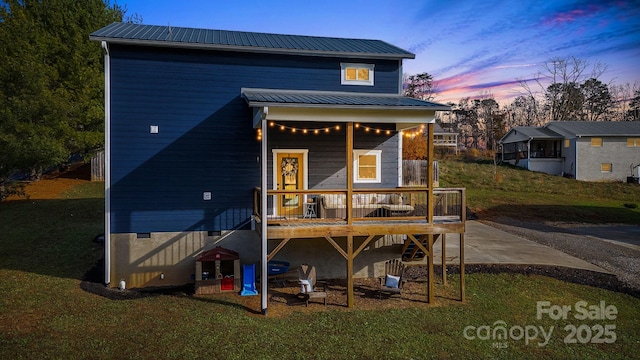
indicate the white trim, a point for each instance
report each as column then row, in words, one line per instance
column 264, row 251
column 400, row 179
column 274, row 175
column 400, row 80
column 107, row 164
column 343, row 77
column 356, row 168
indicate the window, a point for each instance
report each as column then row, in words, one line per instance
column 596, row 141
column 633, row 142
column 605, row 167
column 356, row 74
column 366, row 166
column 567, row 143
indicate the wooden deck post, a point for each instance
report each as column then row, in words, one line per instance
column 430, row 261
column 430, row 153
column 462, row 266
column 349, row 213
column 350, row 257
column 444, row 258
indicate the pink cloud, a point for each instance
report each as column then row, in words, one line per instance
column 570, row 16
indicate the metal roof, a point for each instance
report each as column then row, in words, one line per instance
column 333, row 99
column 170, row 36
column 570, row 129
column 526, row 133
column 595, row 128
column 538, row 133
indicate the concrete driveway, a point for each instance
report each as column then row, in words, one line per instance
column 487, row 245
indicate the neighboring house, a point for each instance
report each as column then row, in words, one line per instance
column 445, row 139
column 584, row 150
column 277, row 147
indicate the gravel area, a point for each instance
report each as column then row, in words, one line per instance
column 618, row 258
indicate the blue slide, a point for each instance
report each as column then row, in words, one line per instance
column 248, row 280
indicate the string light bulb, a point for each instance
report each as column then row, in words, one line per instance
column 328, row 129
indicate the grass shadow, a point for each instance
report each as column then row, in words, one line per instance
column 564, row 213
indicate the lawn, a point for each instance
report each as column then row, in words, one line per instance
column 518, row 193
column 46, row 249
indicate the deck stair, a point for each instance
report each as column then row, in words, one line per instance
column 410, row 252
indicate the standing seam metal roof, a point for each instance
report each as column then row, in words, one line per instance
column 261, row 97
column 595, row 128
column 247, row 41
column 570, row 129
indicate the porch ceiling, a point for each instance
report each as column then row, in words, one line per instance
column 330, row 106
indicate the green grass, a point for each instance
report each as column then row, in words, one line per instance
column 524, row 194
column 46, row 247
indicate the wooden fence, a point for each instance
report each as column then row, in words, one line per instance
column 97, row 167
column 414, row 173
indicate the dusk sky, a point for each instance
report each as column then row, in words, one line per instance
column 470, row 47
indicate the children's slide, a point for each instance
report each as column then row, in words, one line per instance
column 248, row 280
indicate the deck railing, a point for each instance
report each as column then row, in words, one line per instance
column 366, row 204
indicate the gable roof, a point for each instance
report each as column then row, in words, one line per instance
column 170, row 36
column 524, row 133
column 335, row 99
column 572, row 129
column 595, row 128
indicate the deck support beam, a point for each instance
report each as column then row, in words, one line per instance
column 278, row 248
column 337, row 247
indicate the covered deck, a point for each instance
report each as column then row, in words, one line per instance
column 351, row 215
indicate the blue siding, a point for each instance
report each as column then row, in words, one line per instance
column 327, row 157
column 205, row 140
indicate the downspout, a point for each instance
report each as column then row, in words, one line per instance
column 107, row 164
column 575, row 156
column 529, row 154
column 263, row 215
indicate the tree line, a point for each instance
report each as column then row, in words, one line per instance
column 51, row 83
column 564, row 89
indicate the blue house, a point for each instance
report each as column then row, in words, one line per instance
column 277, row 147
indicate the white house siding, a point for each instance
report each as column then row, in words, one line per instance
column 614, row 150
column 549, row 166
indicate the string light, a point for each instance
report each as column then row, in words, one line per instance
column 409, row 134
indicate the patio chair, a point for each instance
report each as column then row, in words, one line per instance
column 392, row 282
column 310, row 288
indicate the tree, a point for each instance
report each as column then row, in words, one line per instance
column 488, row 109
column 560, row 82
column 633, row 114
column 564, row 101
column 524, row 110
column 597, row 100
column 51, row 82
column 420, row 86
column 414, row 147
column 468, row 122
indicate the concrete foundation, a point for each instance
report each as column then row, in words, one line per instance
column 169, row 259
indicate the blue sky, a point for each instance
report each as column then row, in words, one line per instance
column 470, row 47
